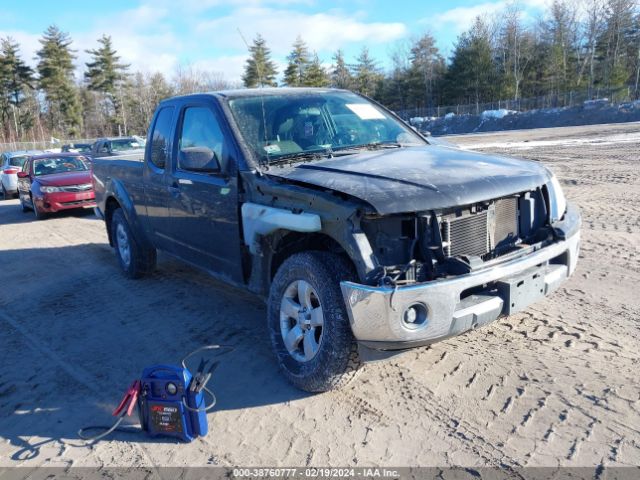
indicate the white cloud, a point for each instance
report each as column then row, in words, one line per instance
column 29, row 44
column 461, row 18
column 231, row 66
column 324, row 31
column 151, row 37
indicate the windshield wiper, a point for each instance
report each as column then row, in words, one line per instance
column 371, row 146
column 329, row 152
column 289, row 157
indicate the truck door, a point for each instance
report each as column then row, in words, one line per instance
column 157, row 170
column 204, row 192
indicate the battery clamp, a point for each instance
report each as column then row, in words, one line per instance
column 170, row 401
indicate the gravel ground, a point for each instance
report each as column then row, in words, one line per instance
column 554, row 385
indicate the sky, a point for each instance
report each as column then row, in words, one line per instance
column 159, row 35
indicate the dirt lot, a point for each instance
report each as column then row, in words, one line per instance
column 555, row 385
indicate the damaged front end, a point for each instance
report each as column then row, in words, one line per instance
column 441, row 273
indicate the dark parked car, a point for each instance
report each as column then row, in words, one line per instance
column 78, row 147
column 55, row 181
column 115, row 146
column 365, row 238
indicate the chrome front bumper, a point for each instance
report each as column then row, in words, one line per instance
column 376, row 313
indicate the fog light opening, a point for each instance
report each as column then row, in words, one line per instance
column 415, row 315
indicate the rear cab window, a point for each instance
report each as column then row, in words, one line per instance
column 160, row 138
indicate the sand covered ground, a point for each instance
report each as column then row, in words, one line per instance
column 554, row 385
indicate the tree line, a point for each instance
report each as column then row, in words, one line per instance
column 575, row 45
column 579, row 45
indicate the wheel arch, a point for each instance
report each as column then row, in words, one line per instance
column 118, row 197
column 287, row 243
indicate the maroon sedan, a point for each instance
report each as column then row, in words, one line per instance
column 54, row 182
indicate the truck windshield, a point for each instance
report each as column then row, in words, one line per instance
column 287, row 125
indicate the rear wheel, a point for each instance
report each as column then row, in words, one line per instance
column 308, row 322
column 24, row 207
column 135, row 259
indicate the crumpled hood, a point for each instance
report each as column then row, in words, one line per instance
column 419, row 178
column 64, row 179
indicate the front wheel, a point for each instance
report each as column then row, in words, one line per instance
column 308, row 322
column 135, row 259
column 40, row 215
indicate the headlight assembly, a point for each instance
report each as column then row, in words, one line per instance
column 557, row 200
column 50, row 189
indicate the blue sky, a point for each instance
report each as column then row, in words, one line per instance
column 158, row 35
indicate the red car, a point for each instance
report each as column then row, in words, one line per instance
column 55, row 181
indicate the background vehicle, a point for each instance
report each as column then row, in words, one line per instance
column 10, row 164
column 78, row 147
column 115, row 145
column 53, row 182
column 366, row 239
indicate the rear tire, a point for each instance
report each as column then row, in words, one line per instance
column 312, row 361
column 135, row 259
column 24, row 207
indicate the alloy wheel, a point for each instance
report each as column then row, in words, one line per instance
column 301, row 320
column 123, row 244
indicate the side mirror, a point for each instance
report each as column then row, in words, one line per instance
column 23, row 175
column 199, row 159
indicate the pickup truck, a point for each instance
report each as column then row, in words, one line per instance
column 364, row 237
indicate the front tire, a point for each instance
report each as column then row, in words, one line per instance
column 135, row 259
column 308, row 322
column 39, row 214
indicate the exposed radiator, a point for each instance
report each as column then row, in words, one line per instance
column 506, row 222
column 478, row 234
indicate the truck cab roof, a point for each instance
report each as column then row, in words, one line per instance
column 255, row 92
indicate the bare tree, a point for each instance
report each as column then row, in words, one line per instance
column 516, row 47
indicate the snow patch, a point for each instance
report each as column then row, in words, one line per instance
column 501, row 113
column 565, row 142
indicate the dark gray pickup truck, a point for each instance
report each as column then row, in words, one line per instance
column 365, row 238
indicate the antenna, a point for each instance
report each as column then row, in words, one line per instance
column 261, row 80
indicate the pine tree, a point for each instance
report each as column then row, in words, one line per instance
column 106, row 76
column 559, row 43
column 427, row 65
column 471, row 77
column 617, row 46
column 55, row 68
column 259, row 71
column 367, row 76
column 315, row 74
column 298, row 63
column 340, row 74
column 104, row 72
column 16, row 80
